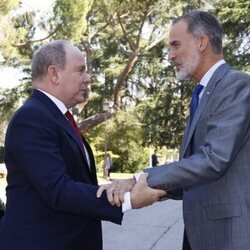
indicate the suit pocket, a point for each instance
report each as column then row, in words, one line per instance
column 223, row 211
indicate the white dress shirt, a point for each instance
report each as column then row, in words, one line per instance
column 127, row 204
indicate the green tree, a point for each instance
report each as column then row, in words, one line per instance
column 125, row 43
column 125, row 140
column 235, row 17
column 7, row 5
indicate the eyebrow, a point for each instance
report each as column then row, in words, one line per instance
column 174, row 42
column 80, row 67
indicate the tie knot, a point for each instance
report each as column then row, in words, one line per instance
column 198, row 89
column 69, row 116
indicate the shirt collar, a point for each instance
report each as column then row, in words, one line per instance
column 205, row 79
column 57, row 102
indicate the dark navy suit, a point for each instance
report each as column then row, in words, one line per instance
column 51, row 192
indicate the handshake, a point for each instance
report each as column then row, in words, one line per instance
column 141, row 194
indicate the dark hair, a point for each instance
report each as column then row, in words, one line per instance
column 203, row 23
column 52, row 53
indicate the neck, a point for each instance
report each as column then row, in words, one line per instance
column 205, row 64
column 44, row 86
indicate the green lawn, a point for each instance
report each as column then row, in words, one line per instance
column 113, row 176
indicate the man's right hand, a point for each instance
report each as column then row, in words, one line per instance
column 142, row 195
column 116, row 190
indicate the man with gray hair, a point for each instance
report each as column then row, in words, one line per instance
column 212, row 175
column 52, row 182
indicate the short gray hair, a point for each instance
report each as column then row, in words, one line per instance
column 203, row 23
column 53, row 53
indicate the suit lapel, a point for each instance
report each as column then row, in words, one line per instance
column 62, row 122
column 184, row 139
column 216, row 77
column 91, row 159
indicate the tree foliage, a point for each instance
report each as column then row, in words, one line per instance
column 235, row 17
column 125, row 140
column 7, row 5
column 70, row 16
column 126, row 47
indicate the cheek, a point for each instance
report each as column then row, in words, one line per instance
column 181, row 53
column 74, row 84
column 78, row 80
column 186, row 56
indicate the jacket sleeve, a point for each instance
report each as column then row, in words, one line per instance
column 34, row 158
column 220, row 134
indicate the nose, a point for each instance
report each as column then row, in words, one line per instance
column 87, row 79
column 171, row 55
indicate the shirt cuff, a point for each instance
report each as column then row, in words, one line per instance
column 137, row 176
column 126, row 205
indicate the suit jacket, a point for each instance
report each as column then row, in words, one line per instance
column 214, row 167
column 51, row 192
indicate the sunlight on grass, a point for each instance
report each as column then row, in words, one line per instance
column 101, row 179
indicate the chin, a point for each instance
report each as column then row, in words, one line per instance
column 182, row 75
column 84, row 100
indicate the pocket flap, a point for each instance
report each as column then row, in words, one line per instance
column 223, row 211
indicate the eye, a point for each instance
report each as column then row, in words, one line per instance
column 82, row 69
column 175, row 45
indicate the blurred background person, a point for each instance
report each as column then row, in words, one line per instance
column 154, row 159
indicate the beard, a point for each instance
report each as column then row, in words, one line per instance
column 188, row 67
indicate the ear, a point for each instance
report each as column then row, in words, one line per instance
column 203, row 43
column 53, row 74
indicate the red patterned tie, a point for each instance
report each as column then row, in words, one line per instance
column 74, row 125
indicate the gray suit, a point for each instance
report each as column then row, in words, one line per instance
column 214, row 167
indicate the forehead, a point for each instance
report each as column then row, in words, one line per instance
column 74, row 56
column 178, row 32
